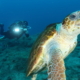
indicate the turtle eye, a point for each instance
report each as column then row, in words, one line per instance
column 72, row 16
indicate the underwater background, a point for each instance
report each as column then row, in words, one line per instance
column 39, row 13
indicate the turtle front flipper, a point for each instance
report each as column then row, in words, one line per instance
column 56, row 67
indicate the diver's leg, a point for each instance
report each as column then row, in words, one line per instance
column 26, row 34
column 1, row 29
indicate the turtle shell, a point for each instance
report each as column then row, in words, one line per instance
column 36, row 59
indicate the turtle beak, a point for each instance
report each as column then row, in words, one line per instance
column 78, row 22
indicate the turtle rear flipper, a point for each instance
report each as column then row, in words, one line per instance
column 34, row 77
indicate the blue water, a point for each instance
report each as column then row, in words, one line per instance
column 39, row 13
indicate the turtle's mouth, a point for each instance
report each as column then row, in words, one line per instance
column 78, row 24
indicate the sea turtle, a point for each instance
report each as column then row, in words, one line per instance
column 55, row 43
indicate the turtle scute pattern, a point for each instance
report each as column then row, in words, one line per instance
column 36, row 63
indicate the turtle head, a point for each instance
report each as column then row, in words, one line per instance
column 72, row 23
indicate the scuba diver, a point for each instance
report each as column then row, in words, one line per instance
column 16, row 30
